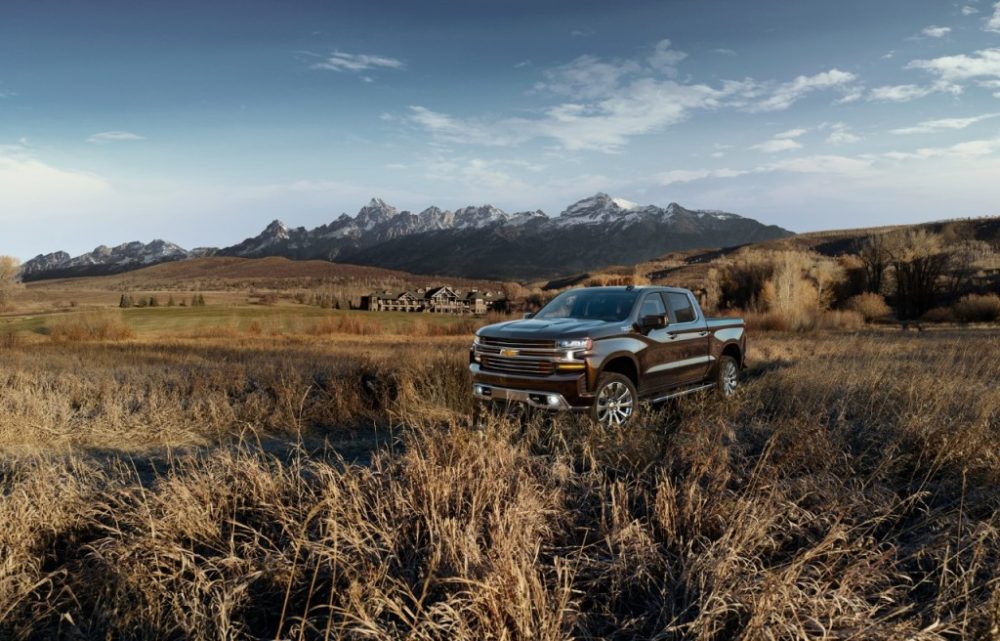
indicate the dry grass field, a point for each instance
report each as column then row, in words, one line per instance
column 268, row 480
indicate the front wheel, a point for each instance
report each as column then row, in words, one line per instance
column 728, row 376
column 615, row 401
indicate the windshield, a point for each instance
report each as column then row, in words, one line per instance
column 592, row 304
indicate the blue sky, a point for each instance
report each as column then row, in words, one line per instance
column 201, row 122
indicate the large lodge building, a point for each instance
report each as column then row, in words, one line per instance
column 435, row 300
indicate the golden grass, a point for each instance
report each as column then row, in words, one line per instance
column 849, row 492
column 103, row 325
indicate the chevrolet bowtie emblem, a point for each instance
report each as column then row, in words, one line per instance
column 508, row 352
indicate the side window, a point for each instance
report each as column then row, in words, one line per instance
column 652, row 305
column 681, row 307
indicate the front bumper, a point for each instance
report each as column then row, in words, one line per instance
column 570, row 390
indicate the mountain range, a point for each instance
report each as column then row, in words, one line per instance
column 474, row 242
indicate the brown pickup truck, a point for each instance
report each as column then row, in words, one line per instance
column 605, row 349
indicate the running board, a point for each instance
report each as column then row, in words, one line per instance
column 684, row 392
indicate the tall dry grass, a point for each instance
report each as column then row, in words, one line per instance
column 849, row 492
column 89, row 326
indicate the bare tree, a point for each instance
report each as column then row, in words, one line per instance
column 965, row 256
column 875, row 258
column 10, row 270
column 918, row 261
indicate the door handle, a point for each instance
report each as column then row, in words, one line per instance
column 704, row 333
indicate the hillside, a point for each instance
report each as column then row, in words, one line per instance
column 690, row 268
column 226, row 272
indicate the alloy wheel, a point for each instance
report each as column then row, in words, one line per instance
column 614, row 404
column 730, row 377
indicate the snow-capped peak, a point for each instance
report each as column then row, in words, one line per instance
column 476, row 217
column 276, row 229
column 624, row 204
column 597, row 209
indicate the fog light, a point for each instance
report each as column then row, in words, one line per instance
column 553, row 400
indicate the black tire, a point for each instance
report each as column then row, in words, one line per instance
column 615, row 400
column 727, row 376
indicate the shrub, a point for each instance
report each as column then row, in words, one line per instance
column 9, row 280
column 8, row 340
column 766, row 322
column 841, row 319
column 870, row 305
column 89, row 326
column 978, row 308
column 347, row 324
column 939, row 315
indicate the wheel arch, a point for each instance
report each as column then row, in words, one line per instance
column 734, row 351
column 622, row 363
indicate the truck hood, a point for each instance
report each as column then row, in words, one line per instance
column 555, row 329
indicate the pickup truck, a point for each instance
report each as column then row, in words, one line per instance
column 603, row 350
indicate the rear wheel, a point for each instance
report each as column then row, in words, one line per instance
column 728, row 376
column 615, row 401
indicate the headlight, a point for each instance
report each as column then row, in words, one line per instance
column 475, row 340
column 576, row 343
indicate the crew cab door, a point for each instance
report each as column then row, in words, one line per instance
column 660, row 349
column 689, row 336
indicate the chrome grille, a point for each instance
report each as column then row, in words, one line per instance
column 515, row 365
column 517, row 343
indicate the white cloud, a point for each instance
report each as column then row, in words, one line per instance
column 664, row 58
column 967, row 149
column 899, row 93
column 677, row 176
column 776, row 145
column 587, row 77
column 934, row 31
column 790, row 92
column 604, row 103
column 984, row 63
column 591, row 77
column 791, row 133
column 841, row 134
column 993, row 22
column 32, row 187
column 724, row 52
column 823, row 164
column 930, row 126
column 113, row 136
column 644, row 106
column 452, row 129
column 820, row 164
column 340, row 61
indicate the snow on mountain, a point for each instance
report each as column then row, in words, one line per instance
column 120, row 258
column 599, row 209
column 380, row 234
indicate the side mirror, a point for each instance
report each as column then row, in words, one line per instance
column 529, row 315
column 653, row 321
